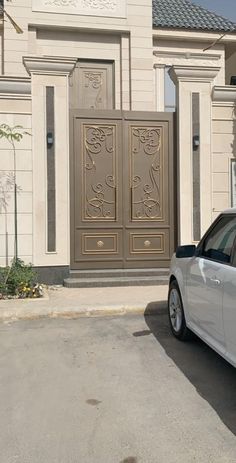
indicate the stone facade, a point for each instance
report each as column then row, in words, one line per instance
column 57, row 33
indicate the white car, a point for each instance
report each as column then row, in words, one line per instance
column 202, row 288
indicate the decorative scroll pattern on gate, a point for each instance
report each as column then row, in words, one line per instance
column 146, row 173
column 99, row 173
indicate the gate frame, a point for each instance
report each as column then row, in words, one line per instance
column 151, row 116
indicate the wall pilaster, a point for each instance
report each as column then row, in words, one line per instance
column 52, row 72
column 189, row 80
column 159, row 87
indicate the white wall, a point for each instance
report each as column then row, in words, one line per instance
column 13, row 112
column 139, row 64
column 189, row 53
column 132, row 53
column 83, row 46
column 223, row 150
column 41, row 256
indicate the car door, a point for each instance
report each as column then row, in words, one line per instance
column 205, row 280
column 229, row 308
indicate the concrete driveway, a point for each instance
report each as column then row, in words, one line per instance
column 112, row 390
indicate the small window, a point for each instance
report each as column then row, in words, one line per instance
column 219, row 243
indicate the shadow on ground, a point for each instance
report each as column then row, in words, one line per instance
column 213, row 378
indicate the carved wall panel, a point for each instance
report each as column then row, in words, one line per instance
column 99, row 243
column 111, row 8
column 146, row 172
column 99, row 173
column 147, row 243
column 92, row 86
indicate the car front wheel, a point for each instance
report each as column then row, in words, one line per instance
column 176, row 313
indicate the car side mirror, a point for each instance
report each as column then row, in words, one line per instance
column 185, row 251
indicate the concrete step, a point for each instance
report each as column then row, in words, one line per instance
column 117, row 273
column 116, row 281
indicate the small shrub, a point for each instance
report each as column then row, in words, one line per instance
column 19, row 280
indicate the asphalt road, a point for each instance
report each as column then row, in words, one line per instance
column 112, row 390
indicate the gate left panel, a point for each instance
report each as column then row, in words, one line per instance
column 96, row 193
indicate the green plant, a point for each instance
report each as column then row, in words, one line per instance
column 19, row 280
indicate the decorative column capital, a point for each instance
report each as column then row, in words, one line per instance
column 159, row 66
column 49, row 65
column 180, row 73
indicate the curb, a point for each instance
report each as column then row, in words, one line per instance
column 12, row 315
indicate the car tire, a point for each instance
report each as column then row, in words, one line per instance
column 176, row 313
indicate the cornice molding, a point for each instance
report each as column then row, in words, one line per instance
column 49, row 65
column 186, row 55
column 15, row 85
column 225, row 93
column 180, row 73
column 193, row 35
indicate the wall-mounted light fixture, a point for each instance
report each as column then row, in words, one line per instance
column 196, row 142
column 49, row 139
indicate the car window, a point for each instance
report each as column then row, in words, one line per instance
column 234, row 258
column 219, row 243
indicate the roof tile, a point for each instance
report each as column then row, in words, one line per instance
column 183, row 14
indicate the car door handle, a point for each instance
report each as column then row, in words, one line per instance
column 215, row 281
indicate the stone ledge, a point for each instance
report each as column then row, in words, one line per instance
column 226, row 93
column 19, row 87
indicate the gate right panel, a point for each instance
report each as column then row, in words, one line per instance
column 148, row 180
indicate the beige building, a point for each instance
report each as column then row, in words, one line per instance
column 131, row 109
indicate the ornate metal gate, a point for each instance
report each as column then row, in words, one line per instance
column 121, row 189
